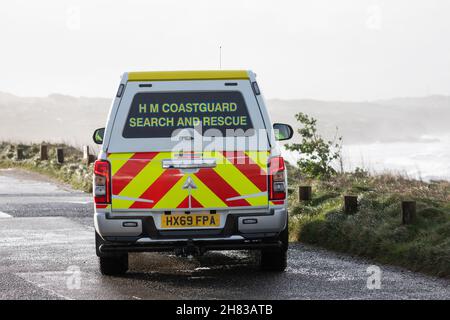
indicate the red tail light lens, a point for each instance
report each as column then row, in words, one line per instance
column 102, row 186
column 277, row 180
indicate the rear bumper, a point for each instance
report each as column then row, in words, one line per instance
column 200, row 245
column 241, row 231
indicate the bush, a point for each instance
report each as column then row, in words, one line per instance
column 316, row 154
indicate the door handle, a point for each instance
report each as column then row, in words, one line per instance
column 188, row 163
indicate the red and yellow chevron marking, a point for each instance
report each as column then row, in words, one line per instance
column 139, row 181
column 102, row 206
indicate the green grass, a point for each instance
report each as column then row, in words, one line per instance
column 73, row 172
column 376, row 231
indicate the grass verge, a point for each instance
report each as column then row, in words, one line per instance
column 73, row 171
column 376, row 231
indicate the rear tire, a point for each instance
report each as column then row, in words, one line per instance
column 111, row 266
column 276, row 259
column 110, row 263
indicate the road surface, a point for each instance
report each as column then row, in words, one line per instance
column 47, row 252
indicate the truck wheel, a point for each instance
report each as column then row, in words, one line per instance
column 276, row 259
column 111, row 266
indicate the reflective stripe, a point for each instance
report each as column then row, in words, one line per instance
column 248, row 196
column 238, row 180
column 118, row 160
column 102, row 206
column 173, row 197
column 193, row 204
column 130, row 170
column 132, row 199
column 157, row 190
column 220, row 187
column 140, row 182
column 205, row 196
column 249, row 169
column 144, row 178
column 259, row 157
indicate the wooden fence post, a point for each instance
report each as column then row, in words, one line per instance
column 408, row 212
column 92, row 158
column 86, row 154
column 44, row 152
column 350, row 204
column 19, row 153
column 304, row 193
column 60, row 155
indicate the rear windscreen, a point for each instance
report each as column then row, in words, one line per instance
column 158, row 114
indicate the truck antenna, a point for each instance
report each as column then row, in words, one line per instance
column 220, row 57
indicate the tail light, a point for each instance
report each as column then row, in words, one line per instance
column 277, row 179
column 102, row 186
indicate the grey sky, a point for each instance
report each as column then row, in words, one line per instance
column 323, row 49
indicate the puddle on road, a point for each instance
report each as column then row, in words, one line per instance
column 328, row 275
column 210, row 262
column 4, row 215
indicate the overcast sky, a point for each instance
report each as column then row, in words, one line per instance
column 322, row 49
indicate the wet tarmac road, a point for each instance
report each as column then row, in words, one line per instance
column 47, row 252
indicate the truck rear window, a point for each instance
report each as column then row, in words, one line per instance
column 158, row 114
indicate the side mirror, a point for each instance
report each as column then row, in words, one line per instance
column 98, row 135
column 283, row 131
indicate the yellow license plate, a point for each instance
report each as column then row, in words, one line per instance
column 191, row 220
